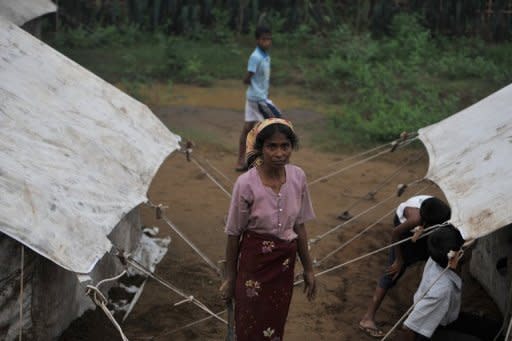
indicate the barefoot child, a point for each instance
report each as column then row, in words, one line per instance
column 257, row 104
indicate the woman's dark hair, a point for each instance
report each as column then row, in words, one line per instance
column 442, row 241
column 434, row 211
column 261, row 30
column 268, row 132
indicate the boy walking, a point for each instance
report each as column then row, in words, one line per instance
column 419, row 211
column 257, row 105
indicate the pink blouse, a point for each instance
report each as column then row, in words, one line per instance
column 258, row 208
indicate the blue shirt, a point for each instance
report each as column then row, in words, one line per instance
column 259, row 64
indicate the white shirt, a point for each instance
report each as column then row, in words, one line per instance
column 414, row 202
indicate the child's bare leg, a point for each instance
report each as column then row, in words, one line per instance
column 368, row 319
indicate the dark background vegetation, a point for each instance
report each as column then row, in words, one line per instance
column 385, row 66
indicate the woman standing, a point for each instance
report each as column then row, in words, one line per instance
column 265, row 229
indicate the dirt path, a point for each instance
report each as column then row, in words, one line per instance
column 213, row 118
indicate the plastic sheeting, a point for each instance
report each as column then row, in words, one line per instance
column 470, row 160
column 22, row 11
column 149, row 253
column 76, row 154
column 54, row 297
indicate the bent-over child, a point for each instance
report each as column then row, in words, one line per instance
column 419, row 212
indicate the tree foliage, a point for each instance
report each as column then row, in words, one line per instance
column 491, row 19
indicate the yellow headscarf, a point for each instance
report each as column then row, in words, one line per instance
column 250, row 153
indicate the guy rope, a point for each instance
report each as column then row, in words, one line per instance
column 160, row 214
column 342, row 246
column 399, row 143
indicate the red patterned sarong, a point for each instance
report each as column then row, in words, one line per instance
column 264, row 287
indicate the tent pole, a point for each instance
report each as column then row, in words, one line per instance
column 22, row 264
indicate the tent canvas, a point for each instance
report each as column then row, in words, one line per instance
column 76, row 153
column 20, row 12
column 469, row 159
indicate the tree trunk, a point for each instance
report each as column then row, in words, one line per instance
column 243, row 6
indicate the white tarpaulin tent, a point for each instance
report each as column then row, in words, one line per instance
column 76, row 154
column 470, row 159
column 21, row 11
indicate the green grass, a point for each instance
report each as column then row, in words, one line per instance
column 155, row 57
column 206, row 140
column 378, row 87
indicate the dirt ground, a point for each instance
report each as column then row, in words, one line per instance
column 212, row 118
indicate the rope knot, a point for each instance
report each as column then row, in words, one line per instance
column 159, row 211
column 122, row 255
column 188, row 149
column 96, row 295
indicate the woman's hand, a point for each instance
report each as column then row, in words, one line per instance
column 227, row 290
column 309, row 285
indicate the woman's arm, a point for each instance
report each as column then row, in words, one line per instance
column 238, row 216
column 227, row 288
column 305, row 259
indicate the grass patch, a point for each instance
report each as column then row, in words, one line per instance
column 205, row 141
column 376, row 87
column 153, row 56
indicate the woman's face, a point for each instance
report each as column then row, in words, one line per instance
column 277, row 150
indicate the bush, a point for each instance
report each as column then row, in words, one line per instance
column 99, row 36
column 403, row 81
column 386, row 79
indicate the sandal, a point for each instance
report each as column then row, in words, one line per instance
column 373, row 332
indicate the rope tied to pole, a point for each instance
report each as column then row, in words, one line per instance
column 166, row 333
column 426, row 232
column 345, row 215
column 400, row 144
column 187, row 298
column 374, row 149
column 22, row 266
column 342, row 246
column 319, row 237
column 316, row 239
column 210, row 177
column 218, row 171
column 160, row 214
column 187, row 150
column 101, row 301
